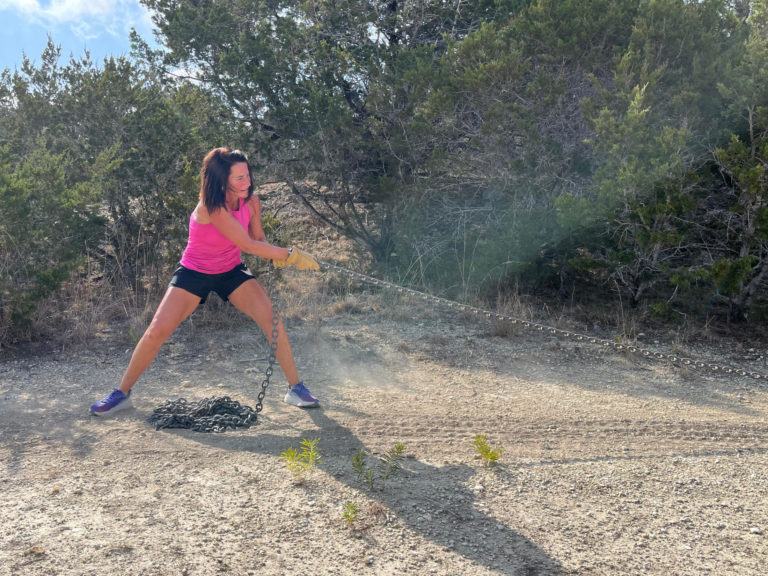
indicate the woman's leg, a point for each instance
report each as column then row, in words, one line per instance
column 176, row 306
column 251, row 299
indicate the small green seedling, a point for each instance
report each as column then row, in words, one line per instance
column 369, row 478
column 358, row 464
column 351, row 509
column 301, row 462
column 489, row 455
column 388, row 465
column 363, row 473
column 391, row 463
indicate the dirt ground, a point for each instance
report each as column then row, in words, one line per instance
column 611, row 464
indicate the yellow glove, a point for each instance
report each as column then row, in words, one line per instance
column 298, row 258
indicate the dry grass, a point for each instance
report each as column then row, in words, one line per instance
column 349, row 304
column 83, row 309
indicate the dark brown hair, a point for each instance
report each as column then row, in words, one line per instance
column 215, row 174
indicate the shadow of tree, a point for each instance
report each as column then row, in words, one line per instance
column 434, row 501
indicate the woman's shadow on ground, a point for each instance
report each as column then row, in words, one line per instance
column 433, row 501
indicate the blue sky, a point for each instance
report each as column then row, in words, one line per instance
column 101, row 26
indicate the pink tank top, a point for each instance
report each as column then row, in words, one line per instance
column 208, row 250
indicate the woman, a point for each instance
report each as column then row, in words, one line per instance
column 225, row 223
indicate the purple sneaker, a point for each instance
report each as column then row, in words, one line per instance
column 299, row 396
column 115, row 401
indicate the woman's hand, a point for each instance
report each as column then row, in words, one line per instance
column 302, row 260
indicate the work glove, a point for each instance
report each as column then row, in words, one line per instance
column 298, row 258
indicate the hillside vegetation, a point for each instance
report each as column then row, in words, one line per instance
column 610, row 152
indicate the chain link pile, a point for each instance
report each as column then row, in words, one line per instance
column 207, row 415
column 615, row 345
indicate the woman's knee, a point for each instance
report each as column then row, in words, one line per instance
column 158, row 332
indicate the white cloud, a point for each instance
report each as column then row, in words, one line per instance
column 87, row 19
column 59, row 11
column 22, row 6
column 84, row 31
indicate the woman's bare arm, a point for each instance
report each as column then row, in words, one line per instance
column 255, row 229
column 235, row 233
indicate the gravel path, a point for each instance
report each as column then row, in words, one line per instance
column 610, row 465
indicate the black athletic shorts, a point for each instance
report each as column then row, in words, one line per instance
column 201, row 284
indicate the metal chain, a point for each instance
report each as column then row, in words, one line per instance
column 272, row 345
column 207, row 415
column 645, row 352
column 222, row 413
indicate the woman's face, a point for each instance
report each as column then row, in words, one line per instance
column 238, row 183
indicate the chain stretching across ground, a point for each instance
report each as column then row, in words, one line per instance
column 615, row 344
column 220, row 414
